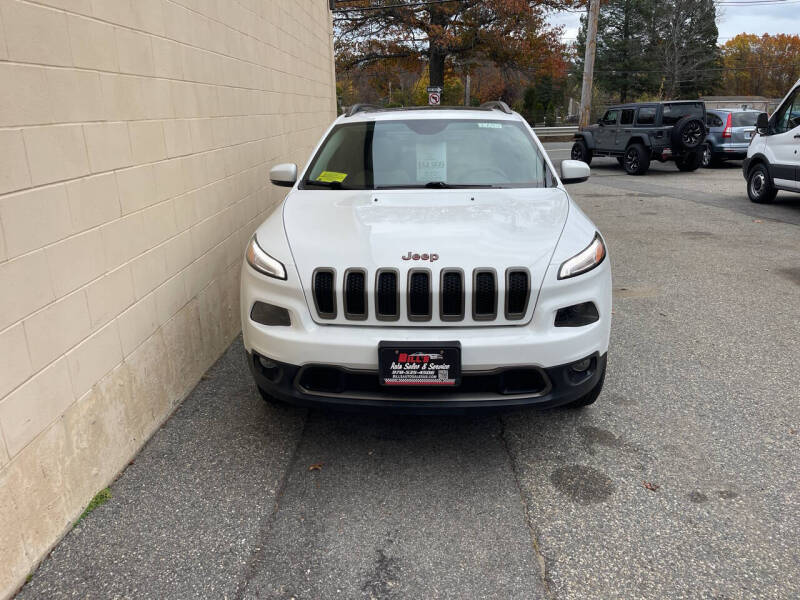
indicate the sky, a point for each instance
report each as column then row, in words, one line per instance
column 732, row 20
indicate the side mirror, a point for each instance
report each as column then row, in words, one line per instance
column 574, row 171
column 762, row 122
column 284, row 175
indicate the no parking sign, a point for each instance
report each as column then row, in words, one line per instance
column 434, row 96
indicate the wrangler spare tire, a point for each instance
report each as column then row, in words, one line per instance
column 687, row 134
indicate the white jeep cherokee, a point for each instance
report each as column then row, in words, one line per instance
column 428, row 258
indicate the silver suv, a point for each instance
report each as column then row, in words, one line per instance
column 729, row 134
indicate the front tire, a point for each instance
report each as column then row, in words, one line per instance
column 593, row 394
column 580, row 151
column 621, row 161
column 689, row 162
column 759, row 185
column 636, row 160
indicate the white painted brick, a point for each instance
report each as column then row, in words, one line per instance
column 76, row 261
column 110, row 295
column 148, row 16
column 137, row 188
column 57, row 328
column 147, row 141
column 169, row 179
column 167, row 58
column 157, row 96
column 82, row 7
column 178, row 137
column 178, row 252
column 24, row 95
column 109, row 146
column 93, row 201
column 158, row 223
column 135, row 52
column 15, row 364
column 35, row 218
column 93, row 358
column 26, row 286
column 123, row 97
column 114, row 11
column 93, row 44
column 170, row 297
column 3, row 56
column 74, row 95
column 138, row 323
column 28, row 410
column 149, row 271
column 55, row 153
column 35, row 34
column 123, row 239
column 14, row 173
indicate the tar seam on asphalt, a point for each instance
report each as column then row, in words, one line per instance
column 526, row 510
column 257, row 556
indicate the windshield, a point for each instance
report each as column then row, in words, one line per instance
column 745, row 119
column 440, row 153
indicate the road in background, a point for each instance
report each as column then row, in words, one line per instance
column 680, row 482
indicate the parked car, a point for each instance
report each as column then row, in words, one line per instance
column 636, row 134
column 773, row 158
column 729, row 134
column 428, row 259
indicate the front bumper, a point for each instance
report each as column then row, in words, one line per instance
column 360, row 390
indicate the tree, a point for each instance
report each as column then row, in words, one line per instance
column 508, row 33
column 663, row 48
column 760, row 66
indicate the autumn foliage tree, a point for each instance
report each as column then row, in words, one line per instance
column 510, row 34
column 766, row 65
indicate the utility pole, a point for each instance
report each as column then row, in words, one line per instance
column 588, row 63
column 466, row 91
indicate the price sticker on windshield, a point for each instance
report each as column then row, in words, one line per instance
column 431, row 161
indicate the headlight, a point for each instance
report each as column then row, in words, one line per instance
column 263, row 262
column 585, row 260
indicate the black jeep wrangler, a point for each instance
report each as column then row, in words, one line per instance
column 637, row 133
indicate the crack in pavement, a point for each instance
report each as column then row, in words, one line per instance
column 257, row 556
column 537, row 550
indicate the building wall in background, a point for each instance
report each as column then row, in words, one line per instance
column 136, row 138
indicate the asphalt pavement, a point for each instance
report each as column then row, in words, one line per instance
column 680, row 482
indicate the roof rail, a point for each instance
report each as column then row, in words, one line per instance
column 361, row 108
column 496, row 105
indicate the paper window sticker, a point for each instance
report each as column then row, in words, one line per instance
column 431, row 161
column 331, row 176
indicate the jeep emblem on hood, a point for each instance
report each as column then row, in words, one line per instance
column 430, row 257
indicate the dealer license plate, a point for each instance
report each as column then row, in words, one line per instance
column 422, row 364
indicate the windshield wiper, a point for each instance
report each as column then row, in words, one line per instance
column 335, row 185
column 440, row 185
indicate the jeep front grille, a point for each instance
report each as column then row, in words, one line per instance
column 387, row 296
column 449, row 295
column 324, row 293
column 419, row 295
column 518, row 290
column 484, row 307
column 355, row 294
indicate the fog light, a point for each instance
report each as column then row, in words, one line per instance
column 271, row 370
column 582, row 365
column 267, row 314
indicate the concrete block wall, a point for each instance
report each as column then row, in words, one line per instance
column 136, row 138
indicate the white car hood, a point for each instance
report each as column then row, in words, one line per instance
column 467, row 229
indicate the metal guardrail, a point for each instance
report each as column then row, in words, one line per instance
column 553, row 131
